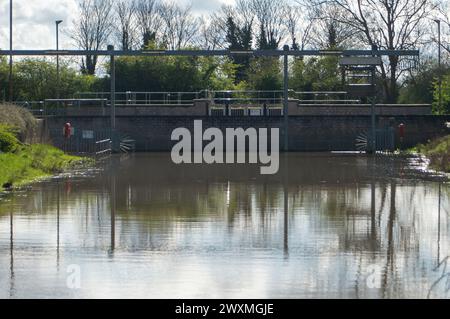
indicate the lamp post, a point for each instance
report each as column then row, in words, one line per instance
column 286, row 99
column 10, row 78
column 439, row 64
column 58, row 22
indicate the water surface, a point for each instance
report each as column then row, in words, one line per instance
column 326, row 226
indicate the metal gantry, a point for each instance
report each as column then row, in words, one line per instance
column 285, row 53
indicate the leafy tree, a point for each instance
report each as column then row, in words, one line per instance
column 265, row 74
column 239, row 38
column 445, row 108
column 35, row 79
column 4, row 69
column 316, row 74
column 173, row 73
column 418, row 86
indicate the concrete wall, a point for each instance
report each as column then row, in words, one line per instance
column 359, row 109
column 201, row 108
column 306, row 133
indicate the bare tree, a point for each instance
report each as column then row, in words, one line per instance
column 299, row 26
column 386, row 24
column 148, row 20
column 92, row 30
column 179, row 25
column 327, row 32
column 270, row 16
column 443, row 15
column 126, row 26
column 212, row 35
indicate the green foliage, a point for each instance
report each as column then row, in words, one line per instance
column 4, row 70
column 8, row 140
column 32, row 162
column 239, row 38
column 444, row 108
column 160, row 74
column 315, row 74
column 418, row 85
column 265, row 74
column 35, row 80
column 438, row 151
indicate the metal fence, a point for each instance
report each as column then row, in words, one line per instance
column 145, row 98
column 86, row 142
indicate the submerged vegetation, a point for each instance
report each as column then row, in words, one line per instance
column 438, row 152
column 21, row 163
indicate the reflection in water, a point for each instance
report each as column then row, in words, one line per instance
column 11, row 251
column 144, row 227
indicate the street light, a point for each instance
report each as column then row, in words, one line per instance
column 10, row 48
column 439, row 64
column 58, row 22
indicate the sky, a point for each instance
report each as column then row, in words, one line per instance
column 34, row 21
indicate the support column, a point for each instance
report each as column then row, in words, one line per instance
column 114, row 139
column 286, row 99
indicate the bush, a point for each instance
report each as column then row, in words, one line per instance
column 19, row 118
column 438, row 151
column 8, row 141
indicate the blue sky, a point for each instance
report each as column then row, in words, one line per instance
column 34, row 20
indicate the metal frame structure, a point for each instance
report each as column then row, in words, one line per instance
column 285, row 53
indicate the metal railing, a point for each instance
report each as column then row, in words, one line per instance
column 145, row 98
column 82, row 141
column 131, row 98
column 238, row 98
column 103, row 147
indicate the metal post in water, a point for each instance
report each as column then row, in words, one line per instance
column 286, row 99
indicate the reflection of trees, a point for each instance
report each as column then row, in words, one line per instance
column 375, row 220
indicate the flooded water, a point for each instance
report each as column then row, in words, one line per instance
column 326, row 226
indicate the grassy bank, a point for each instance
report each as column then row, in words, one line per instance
column 438, row 152
column 21, row 163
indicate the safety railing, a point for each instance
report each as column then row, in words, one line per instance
column 325, row 97
column 103, row 148
column 35, row 107
column 216, row 98
column 145, row 98
column 82, row 141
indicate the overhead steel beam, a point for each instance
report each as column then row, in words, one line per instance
column 278, row 53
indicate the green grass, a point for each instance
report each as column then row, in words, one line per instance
column 21, row 164
column 438, row 152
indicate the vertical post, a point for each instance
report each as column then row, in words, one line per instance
column 373, row 141
column 58, row 80
column 113, row 97
column 439, row 64
column 10, row 78
column 113, row 87
column 286, row 99
column 373, row 146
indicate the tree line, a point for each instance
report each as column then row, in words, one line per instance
column 263, row 24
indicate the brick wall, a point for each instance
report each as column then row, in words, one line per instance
column 306, row 133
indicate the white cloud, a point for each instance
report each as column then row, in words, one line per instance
column 34, row 21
